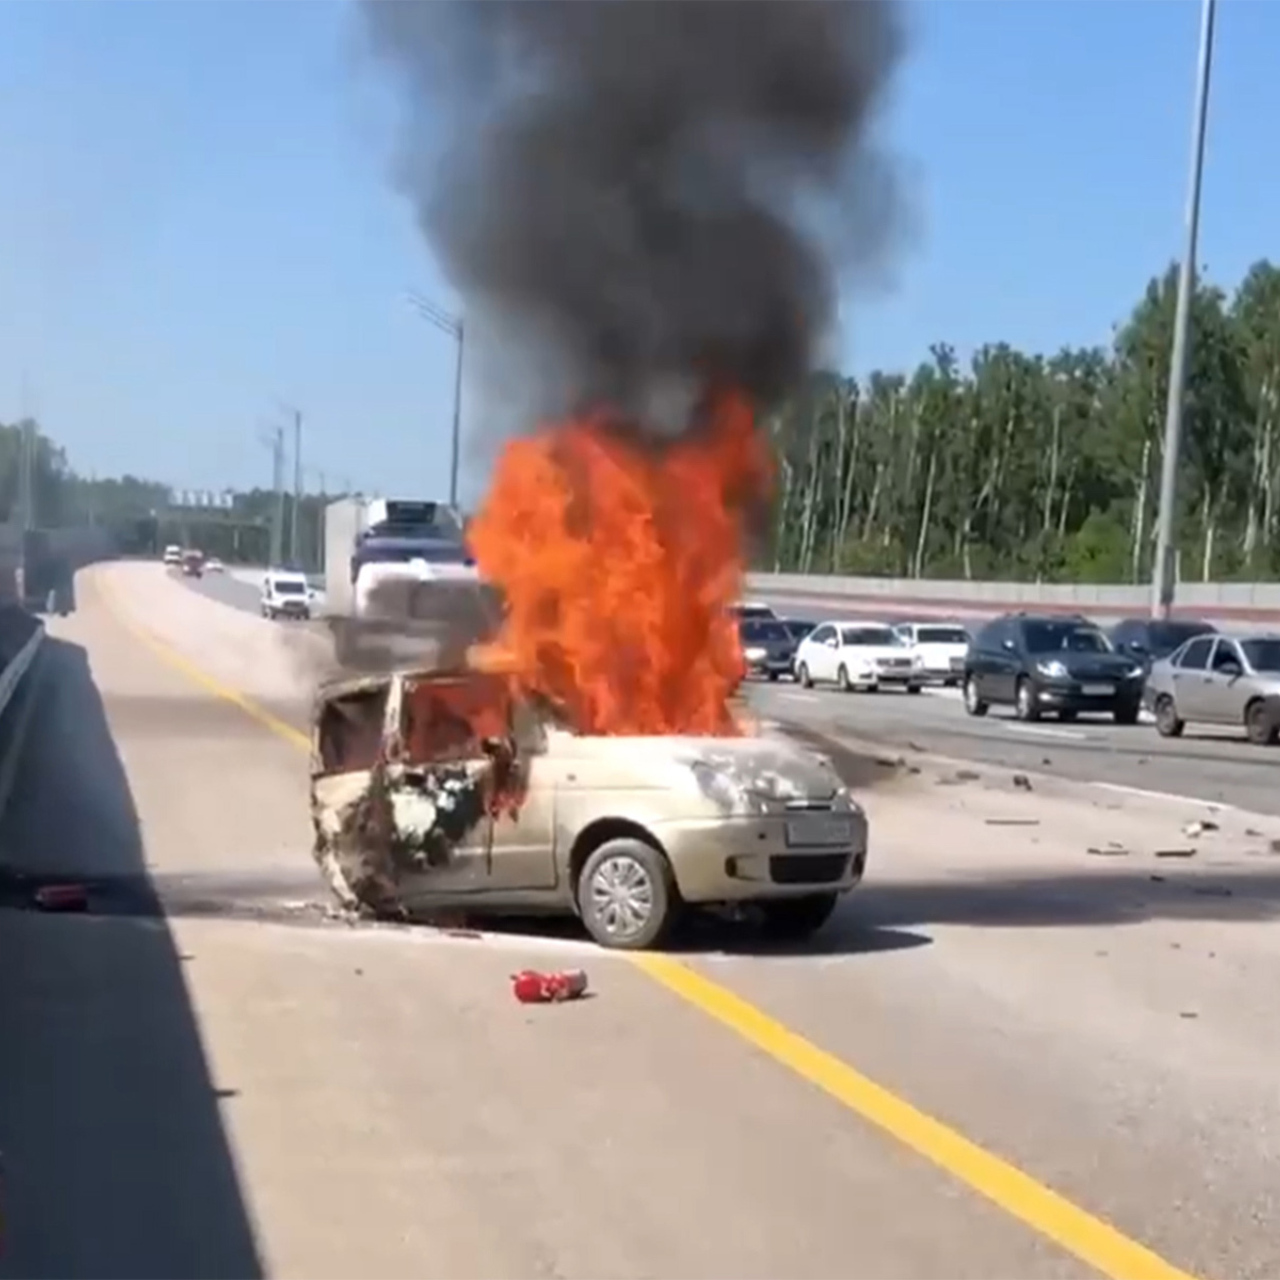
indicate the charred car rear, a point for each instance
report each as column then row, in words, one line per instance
column 440, row 791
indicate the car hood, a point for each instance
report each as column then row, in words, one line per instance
column 775, row 769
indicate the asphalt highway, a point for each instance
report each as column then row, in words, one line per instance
column 1006, row 1056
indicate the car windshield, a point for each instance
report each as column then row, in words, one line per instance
column 1071, row 637
column 869, row 636
column 764, row 630
column 941, row 635
column 284, row 587
column 433, row 551
column 1164, row 637
column 1263, row 655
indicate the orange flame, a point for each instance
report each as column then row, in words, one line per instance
column 618, row 561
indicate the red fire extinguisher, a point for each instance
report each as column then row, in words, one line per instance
column 532, row 987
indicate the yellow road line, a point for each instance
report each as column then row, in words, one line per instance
column 1089, row 1238
column 209, row 683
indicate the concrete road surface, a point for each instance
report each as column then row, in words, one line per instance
column 1007, row 1056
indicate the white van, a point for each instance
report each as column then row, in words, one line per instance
column 173, row 554
column 285, row 594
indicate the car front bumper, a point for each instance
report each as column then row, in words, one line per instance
column 1071, row 695
column 748, row 859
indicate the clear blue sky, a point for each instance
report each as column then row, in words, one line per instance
column 195, row 220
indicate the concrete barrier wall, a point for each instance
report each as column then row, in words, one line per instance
column 1204, row 597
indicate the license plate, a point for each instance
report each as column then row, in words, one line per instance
column 1097, row 690
column 819, row 829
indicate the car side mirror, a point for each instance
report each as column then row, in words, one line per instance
column 1136, row 646
column 1008, row 644
column 1231, row 670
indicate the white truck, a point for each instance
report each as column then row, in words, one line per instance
column 396, row 571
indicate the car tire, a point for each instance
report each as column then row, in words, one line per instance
column 842, row 679
column 1126, row 713
column 802, row 674
column 914, row 688
column 1024, row 701
column 1168, row 724
column 1260, row 723
column 773, row 677
column 794, row 919
column 627, row 896
column 973, row 704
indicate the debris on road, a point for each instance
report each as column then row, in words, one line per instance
column 1197, row 829
column 1176, row 853
column 1012, row 822
column 62, row 897
column 1110, row 850
column 531, row 987
column 1022, row 782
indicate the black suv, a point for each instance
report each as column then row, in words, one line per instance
column 1147, row 640
column 1050, row 663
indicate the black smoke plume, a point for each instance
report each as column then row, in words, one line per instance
column 650, row 195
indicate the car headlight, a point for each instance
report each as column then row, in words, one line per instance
column 1134, row 672
column 755, row 655
column 1054, row 669
column 718, row 786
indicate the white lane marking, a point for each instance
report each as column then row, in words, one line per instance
column 1037, row 732
column 796, row 696
column 1148, row 794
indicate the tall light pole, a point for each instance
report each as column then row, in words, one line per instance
column 296, row 415
column 1162, row 586
column 453, row 326
column 275, row 442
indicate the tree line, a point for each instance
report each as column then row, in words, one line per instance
column 36, row 476
column 1018, row 467
column 1023, row 466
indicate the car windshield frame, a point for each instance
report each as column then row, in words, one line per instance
column 1045, row 636
column 1269, row 655
column 867, row 637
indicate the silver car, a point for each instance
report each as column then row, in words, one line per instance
column 1220, row 680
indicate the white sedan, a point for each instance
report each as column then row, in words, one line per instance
column 857, row 655
column 940, row 646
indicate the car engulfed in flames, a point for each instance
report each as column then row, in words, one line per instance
column 444, row 791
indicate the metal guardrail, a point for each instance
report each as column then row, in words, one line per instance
column 21, row 635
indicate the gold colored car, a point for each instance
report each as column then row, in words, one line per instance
column 440, row 792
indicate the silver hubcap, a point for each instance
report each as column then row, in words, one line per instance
column 1024, row 698
column 971, row 693
column 621, row 896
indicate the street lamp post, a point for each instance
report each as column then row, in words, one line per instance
column 1164, row 568
column 453, row 326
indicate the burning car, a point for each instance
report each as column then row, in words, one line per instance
column 442, row 790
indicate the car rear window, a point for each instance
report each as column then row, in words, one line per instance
column 941, row 635
column 763, row 630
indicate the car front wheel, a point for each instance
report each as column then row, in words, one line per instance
column 1260, row 724
column 802, row 674
column 1168, row 724
column 626, row 895
column 973, row 704
column 1025, row 701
